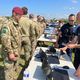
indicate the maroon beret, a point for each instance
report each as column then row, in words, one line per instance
column 18, row 10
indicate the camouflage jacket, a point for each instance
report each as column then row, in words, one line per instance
column 11, row 37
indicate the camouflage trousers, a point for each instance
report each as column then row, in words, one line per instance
column 33, row 45
column 26, row 45
column 11, row 70
column 27, row 52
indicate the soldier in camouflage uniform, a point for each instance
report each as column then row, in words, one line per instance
column 27, row 32
column 35, row 36
column 41, row 24
column 25, row 11
column 11, row 45
column 2, row 20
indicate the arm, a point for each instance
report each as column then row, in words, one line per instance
column 59, row 35
column 6, row 43
column 78, row 46
column 70, row 46
column 73, row 46
column 37, row 30
column 6, row 39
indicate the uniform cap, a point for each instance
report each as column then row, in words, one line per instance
column 17, row 10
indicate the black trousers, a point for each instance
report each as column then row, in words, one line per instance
column 77, row 58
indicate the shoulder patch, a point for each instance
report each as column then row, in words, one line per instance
column 4, row 30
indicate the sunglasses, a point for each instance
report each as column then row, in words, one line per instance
column 71, row 20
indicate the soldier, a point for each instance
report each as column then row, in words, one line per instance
column 25, row 11
column 35, row 36
column 38, row 20
column 11, row 44
column 41, row 24
column 27, row 32
column 2, row 20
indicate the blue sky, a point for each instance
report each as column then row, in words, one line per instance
column 47, row 8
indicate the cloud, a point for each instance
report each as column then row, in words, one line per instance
column 71, row 9
column 74, row 1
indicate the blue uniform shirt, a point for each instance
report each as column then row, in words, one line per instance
column 67, row 32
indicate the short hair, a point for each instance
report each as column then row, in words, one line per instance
column 38, row 16
column 71, row 15
column 31, row 16
column 78, row 16
column 25, row 10
column 78, row 13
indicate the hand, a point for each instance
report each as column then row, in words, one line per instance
column 64, row 48
column 77, row 73
column 12, row 57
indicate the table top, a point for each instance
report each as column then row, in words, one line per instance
column 42, row 38
column 50, row 30
column 36, row 72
